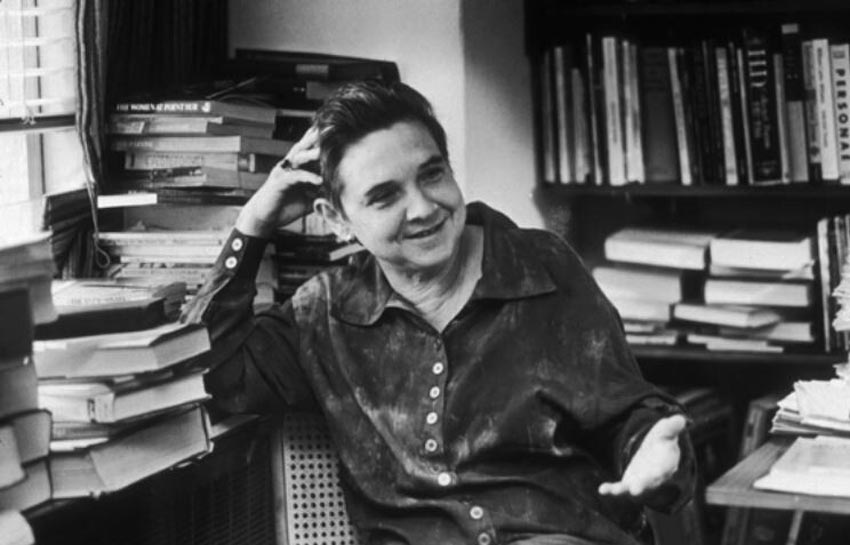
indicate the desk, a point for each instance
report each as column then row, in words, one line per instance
column 735, row 488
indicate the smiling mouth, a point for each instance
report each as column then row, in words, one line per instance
column 427, row 232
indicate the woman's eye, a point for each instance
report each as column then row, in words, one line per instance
column 433, row 174
column 383, row 197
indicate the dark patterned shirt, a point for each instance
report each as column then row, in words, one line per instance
column 499, row 427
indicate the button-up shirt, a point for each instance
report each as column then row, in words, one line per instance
column 501, row 426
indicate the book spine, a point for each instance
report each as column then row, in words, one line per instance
column 761, row 108
column 841, row 86
column 795, row 102
column 781, row 119
column 562, row 61
column 811, row 110
column 140, row 160
column 739, row 112
column 634, row 145
column 596, row 108
column 611, row 62
column 657, row 123
column 725, row 97
column 697, row 65
column 692, row 128
column 547, row 120
column 581, row 149
column 173, row 107
column 714, row 113
column 679, row 116
column 828, row 138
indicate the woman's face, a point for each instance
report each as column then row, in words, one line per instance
column 401, row 200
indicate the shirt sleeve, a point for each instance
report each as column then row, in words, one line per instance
column 253, row 362
column 620, row 434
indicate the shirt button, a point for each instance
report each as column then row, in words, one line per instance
column 484, row 539
column 475, row 513
column 431, row 418
column 434, row 392
column 230, row 262
column 437, row 368
column 430, row 445
column 236, row 245
column 444, row 479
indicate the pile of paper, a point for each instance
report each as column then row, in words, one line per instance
column 816, row 406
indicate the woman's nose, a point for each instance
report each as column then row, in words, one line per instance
column 419, row 205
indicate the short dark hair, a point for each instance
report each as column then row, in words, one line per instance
column 359, row 108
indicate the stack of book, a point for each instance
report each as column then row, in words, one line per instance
column 754, row 105
column 301, row 256
column 163, row 257
column 125, row 405
column 27, row 263
column 748, row 289
column 193, row 147
column 24, row 428
column 759, row 294
column 648, row 271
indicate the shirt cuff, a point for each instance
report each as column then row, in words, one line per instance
column 241, row 255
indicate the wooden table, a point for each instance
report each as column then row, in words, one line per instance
column 735, row 488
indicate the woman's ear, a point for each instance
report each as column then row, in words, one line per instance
column 333, row 217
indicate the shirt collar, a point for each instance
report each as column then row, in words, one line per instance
column 509, row 271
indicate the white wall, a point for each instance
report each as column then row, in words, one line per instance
column 469, row 74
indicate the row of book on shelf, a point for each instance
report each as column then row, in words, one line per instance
column 747, row 289
column 750, row 106
column 100, row 387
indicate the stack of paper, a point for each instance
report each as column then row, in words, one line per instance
column 819, row 465
column 815, row 407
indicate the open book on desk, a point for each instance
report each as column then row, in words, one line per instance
column 818, row 466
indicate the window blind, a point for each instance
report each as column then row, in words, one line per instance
column 38, row 89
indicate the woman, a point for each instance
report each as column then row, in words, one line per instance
column 475, row 380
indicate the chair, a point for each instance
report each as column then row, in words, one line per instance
column 308, row 494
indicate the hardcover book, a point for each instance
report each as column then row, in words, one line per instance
column 761, row 107
column 657, row 117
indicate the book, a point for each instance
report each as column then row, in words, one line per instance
column 131, row 198
column 612, row 86
column 728, row 315
column 14, row 529
column 825, row 284
column 724, row 96
column 825, row 104
column 657, row 123
column 313, row 66
column 595, row 107
column 645, row 310
column 632, row 137
column 18, row 387
column 11, row 471
column 755, row 292
column 191, row 177
column 244, row 112
column 819, row 466
column 201, row 144
column 677, row 248
column 232, row 161
column 111, row 401
column 772, row 249
column 721, row 343
column 683, row 141
column 795, row 101
column 32, row 434
column 124, row 460
column 739, row 116
column 293, row 249
column 16, row 326
column 807, row 272
column 94, row 306
column 840, row 56
column 786, row 331
column 562, row 60
column 206, row 243
column 33, row 490
column 813, row 130
column 640, row 283
column 120, row 353
column 781, row 119
column 139, row 124
column 759, row 77
column 580, row 136
column 548, row 119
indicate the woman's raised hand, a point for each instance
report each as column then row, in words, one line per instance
column 288, row 192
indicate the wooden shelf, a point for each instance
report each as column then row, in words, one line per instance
column 715, row 191
column 673, row 7
column 687, row 354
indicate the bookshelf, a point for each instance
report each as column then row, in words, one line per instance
column 587, row 210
